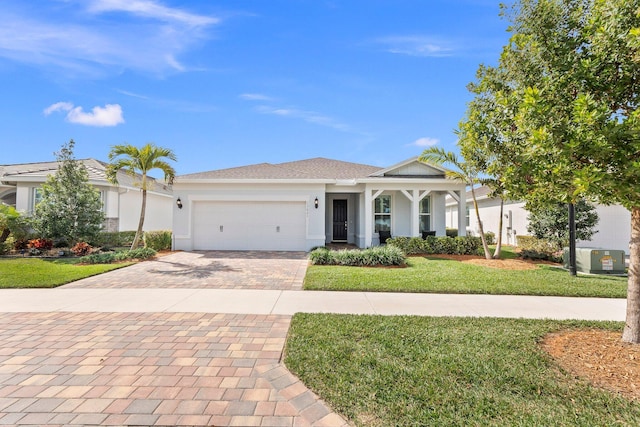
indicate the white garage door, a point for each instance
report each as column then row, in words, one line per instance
column 249, row 226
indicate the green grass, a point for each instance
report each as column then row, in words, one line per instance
column 449, row 276
column 43, row 273
column 421, row 371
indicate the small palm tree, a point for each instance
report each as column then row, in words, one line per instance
column 137, row 162
column 465, row 173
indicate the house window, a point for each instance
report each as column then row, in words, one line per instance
column 467, row 216
column 382, row 211
column 36, row 198
column 425, row 214
column 103, row 199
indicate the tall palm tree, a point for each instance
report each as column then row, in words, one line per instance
column 465, row 173
column 137, row 162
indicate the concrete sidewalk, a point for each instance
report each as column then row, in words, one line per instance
column 282, row 302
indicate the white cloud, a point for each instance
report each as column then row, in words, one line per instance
column 255, row 97
column 58, row 106
column 151, row 9
column 417, row 46
column 100, row 37
column 425, row 142
column 109, row 115
column 307, row 116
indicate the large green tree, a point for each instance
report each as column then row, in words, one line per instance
column 70, row 209
column 138, row 162
column 573, row 70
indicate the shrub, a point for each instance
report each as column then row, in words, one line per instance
column 376, row 256
column 113, row 238
column 109, row 257
column 451, row 232
column 464, row 245
column 533, row 248
column 158, row 240
column 490, row 237
column 41, row 244
column 81, row 249
column 21, row 244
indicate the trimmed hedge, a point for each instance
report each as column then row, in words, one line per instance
column 109, row 257
column 371, row 257
column 465, row 245
column 158, row 240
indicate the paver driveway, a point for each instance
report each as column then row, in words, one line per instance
column 210, row 269
column 62, row 368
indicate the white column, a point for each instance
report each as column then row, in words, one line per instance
column 415, row 214
column 462, row 213
column 368, row 218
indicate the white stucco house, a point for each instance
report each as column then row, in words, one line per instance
column 614, row 225
column 20, row 187
column 295, row 206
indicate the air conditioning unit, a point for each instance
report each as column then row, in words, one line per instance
column 597, row 261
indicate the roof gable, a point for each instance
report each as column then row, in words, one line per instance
column 412, row 168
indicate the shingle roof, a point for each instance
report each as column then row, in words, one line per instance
column 95, row 168
column 316, row 168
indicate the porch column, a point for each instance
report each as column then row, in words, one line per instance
column 368, row 218
column 413, row 196
column 462, row 213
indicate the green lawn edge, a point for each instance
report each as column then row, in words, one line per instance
column 410, row 371
column 436, row 275
column 18, row 273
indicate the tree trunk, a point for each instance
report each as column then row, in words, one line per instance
column 141, row 222
column 498, row 251
column 487, row 252
column 4, row 235
column 631, row 331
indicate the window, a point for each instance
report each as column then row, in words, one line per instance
column 467, row 217
column 425, row 214
column 382, row 211
column 103, row 199
column 36, row 198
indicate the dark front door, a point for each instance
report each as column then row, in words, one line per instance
column 339, row 220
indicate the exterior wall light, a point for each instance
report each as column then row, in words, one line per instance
column 315, row 203
column 179, row 203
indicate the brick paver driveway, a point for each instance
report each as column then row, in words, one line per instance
column 210, row 269
column 62, row 368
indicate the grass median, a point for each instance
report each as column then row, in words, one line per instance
column 47, row 273
column 409, row 371
column 435, row 275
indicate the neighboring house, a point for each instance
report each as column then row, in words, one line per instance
column 614, row 224
column 20, row 187
column 302, row 204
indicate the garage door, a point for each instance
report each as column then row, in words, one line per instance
column 249, row 226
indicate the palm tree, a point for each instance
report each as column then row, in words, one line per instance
column 465, row 173
column 137, row 162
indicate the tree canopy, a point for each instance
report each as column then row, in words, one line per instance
column 70, row 209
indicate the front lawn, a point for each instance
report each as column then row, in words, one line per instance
column 449, row 276
column 411, row 371
column 45, row 273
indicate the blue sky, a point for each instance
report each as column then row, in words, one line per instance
column 231, row 83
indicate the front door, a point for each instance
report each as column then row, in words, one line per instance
column 339, row 220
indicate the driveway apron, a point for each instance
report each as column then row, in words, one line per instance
column 87, row 368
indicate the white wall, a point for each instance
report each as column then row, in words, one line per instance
column 188, row 193
column 158, row 214
column 614, row 229
column 614, row 225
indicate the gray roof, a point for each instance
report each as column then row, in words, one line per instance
column 316, row 168
column 96, row 169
